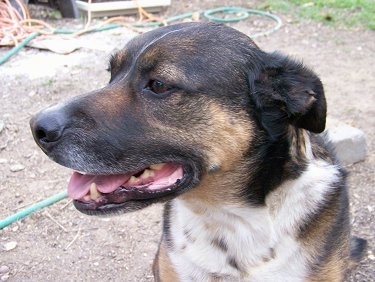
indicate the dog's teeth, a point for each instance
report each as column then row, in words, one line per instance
column 147, row 173
column 87, row 198
column 133, row 179
column 94, row 193
column 157, row 166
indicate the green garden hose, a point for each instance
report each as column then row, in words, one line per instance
column 33, row 208
column 17, row 48
column 239, row 14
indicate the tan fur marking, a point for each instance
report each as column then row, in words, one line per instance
column 332, row 271
column 216, row 188
column 335, row 267
column 230, row 138
column 227, row 138
column 300, row 143
column 163, row 266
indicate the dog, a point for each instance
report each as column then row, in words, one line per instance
column 197, row 116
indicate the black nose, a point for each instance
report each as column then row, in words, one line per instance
column 47, row 128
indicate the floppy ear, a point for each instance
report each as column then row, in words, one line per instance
column 286, row 92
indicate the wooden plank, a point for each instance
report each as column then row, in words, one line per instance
column 116, row 8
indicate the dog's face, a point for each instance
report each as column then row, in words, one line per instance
column 183, row 102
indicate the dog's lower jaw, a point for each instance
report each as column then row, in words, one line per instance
column 159, row 186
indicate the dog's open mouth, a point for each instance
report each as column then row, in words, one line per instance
column 96, row 192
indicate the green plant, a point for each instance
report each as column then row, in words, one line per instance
column 349, row 13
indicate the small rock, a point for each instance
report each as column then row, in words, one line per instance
column 5, row 277
column 349, row 142
column 16, row 167
column 9, row 246
column 32, row 93
column 4, row 269
column 2, row 125
column 3, row 161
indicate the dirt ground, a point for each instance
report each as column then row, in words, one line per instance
column 59, row 243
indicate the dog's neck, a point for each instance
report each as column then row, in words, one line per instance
column 213, row 238
column 213, row 230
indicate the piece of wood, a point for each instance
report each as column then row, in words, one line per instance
column 116, row 8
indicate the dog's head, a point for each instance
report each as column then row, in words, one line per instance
column 183, row 102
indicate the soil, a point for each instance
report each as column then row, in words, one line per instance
column 59, row 243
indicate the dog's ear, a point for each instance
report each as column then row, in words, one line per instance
column 286, row 92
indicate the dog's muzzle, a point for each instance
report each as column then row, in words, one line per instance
column 131, row 185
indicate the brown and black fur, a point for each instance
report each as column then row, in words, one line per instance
column 235, row 117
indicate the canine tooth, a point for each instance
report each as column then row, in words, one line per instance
column 133, row 179
column 94, row 193
column 147, row 173
column 157, row 166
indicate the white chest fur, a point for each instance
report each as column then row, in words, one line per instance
column 242, row 243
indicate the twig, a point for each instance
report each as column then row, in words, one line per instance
column 74, row 239
column 55, row 221
column 67, row 204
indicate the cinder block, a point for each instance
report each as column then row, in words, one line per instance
column 349, row 142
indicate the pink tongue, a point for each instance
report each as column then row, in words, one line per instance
column 79, row 184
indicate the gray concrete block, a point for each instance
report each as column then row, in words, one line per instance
column 349, row 142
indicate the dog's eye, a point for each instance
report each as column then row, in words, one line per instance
column 158, row 87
